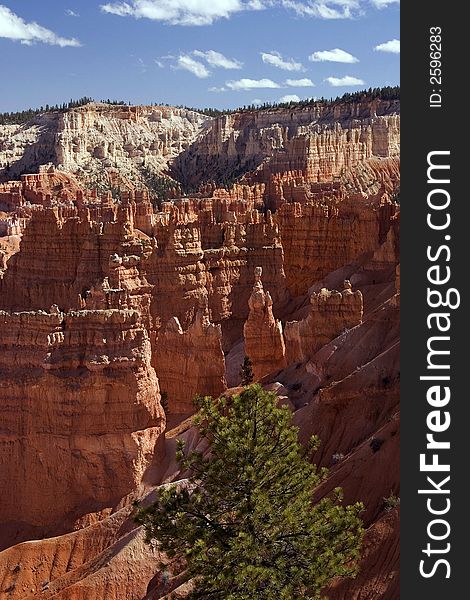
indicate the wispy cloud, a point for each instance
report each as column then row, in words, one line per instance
column 324, row 9
column 276, row 60
column 188, row 62
column 142, row 65
column 252, row 84
column 246, row 84
column 71, row 13
column 259, row 4
column 334, row 9
column 290, row 98
column 217, row 59
column 217, row 89
column 392, row 46
column 13, row 27
column 335, row 55
column 206, row 12
column 182, row 12
column 347, row 80
column 300, row 82
column 384, row 3
column 195, row 67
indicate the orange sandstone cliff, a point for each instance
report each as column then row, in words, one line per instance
column 81, row 415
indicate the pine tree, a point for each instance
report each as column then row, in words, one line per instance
column 244, row 522
column 246, row 371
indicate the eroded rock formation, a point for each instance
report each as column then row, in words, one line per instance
column 264, row 342
column 106, row 287
column 96, row 138
column 81, row 414
column 189, row 362
column 299, row 140
column 331, row 313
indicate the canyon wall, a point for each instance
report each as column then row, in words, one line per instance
column 189, row 363
column 320, row 141
column 81, row 414
column 93, row 139
column 331, row 313
column 102, row 143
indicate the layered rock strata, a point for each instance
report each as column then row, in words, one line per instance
column 98, row 138
column 189, row 363
column 320, row 141
column 81, row 417
column 145, row 281
column 264, row 342
column 331, row 313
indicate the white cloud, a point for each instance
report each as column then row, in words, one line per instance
column 71, row 13
column 335, row 55
column 344, row 81
column 276, row 60
column 121, row 9
column 257, row 101
column 159, row 64
column 217, row 90
column 13, row 27
column 216, row 59
column 182, row 12
column 290, row 98
column 392, row 46
column 252, row 84
column 324, row 9
column 206, row 12
column 300, row 82
column 193, row 66
column 384, row 3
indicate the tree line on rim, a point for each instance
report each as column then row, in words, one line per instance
column 382, row 93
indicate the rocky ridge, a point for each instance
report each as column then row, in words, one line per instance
column 96, row 138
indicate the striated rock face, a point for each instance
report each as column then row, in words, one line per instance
column 319, row 239
column 319, row 141
column 81, row 416
column 264, row 342
column 331, row 313
column 107, row 560
column 96, row 138
column 24, row 147
column 190, row 363
column 65, row 259
column 206, row 250
column 43, row 189
column 63, row 253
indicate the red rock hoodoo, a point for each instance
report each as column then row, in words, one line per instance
column 189, row 361
column 264, row 342
column 331, row 313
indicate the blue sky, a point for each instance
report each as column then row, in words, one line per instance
column 220, row 53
